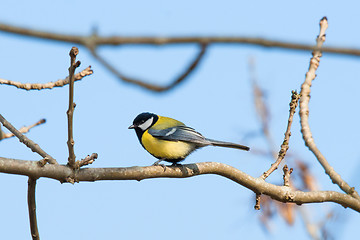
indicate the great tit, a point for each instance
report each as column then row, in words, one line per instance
column 170, row 140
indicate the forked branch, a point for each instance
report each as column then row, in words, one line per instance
column 98, row 41
column 147, row 85
column 25, row 129
column 304, row 114
column 93, row 41
column 25, row 140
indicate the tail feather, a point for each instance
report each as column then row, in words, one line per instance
column 227, row 144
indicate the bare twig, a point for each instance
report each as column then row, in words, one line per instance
column 86, row 161
column 258, row 202
column 286, row 211
column 286, row 176
column 262, row 109
column 32, row 209
column 2, row 134
column 285, row 145
column 95, row 40
column 304, row 114
column 29, row 143
column 22, row 130
column 70, row 112
column 269, row 206
column 279, row 193
column 150, row 86
column 308, row 180
column 39, row 86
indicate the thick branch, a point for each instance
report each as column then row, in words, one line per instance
column 304, row 114
column 146, row 85
column 25, row 140
column 39, row 86
column 70, row 112
column 32, row 209
column 95, row 40
column 258, row 185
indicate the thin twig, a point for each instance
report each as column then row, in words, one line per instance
column 95, row 40
column 285, row 145
column 22, row 130
column 39, row 86
column 286, row 176
column 86, row 161
column 307, row 178
column 279, row 193
column 146, row 85
column 29, row 143
column 261, row 107
column 258, row 201
column 70, row 112
column 32, row 209
column 2, row 134
column 304, row 114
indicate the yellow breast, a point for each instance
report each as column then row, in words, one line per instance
column 163, row 149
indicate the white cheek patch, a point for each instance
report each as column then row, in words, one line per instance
column 146, row 124
column 170, row 132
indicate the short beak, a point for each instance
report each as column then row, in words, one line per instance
column 131, row 127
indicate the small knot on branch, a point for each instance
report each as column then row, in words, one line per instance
column 74, row 52
column 77, row 64
column 43, row 161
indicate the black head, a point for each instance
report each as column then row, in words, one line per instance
column 144, row 121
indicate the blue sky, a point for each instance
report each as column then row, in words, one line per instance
column 216, row 100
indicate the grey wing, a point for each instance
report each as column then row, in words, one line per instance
column 180, row 133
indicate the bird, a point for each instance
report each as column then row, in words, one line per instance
column 170, row 140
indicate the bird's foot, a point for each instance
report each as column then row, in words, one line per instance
column 157, row 163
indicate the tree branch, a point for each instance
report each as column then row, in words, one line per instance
column 25, row 140
column 149, row 86
column 285, row 145
column 257, row 201
column 304, row 114
column 39, row 86
column 95, row 40
column 70, row 112
column 86, row 161
column 261, row 108
column 32, row 209
column 279, row 193
column 22, row 130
